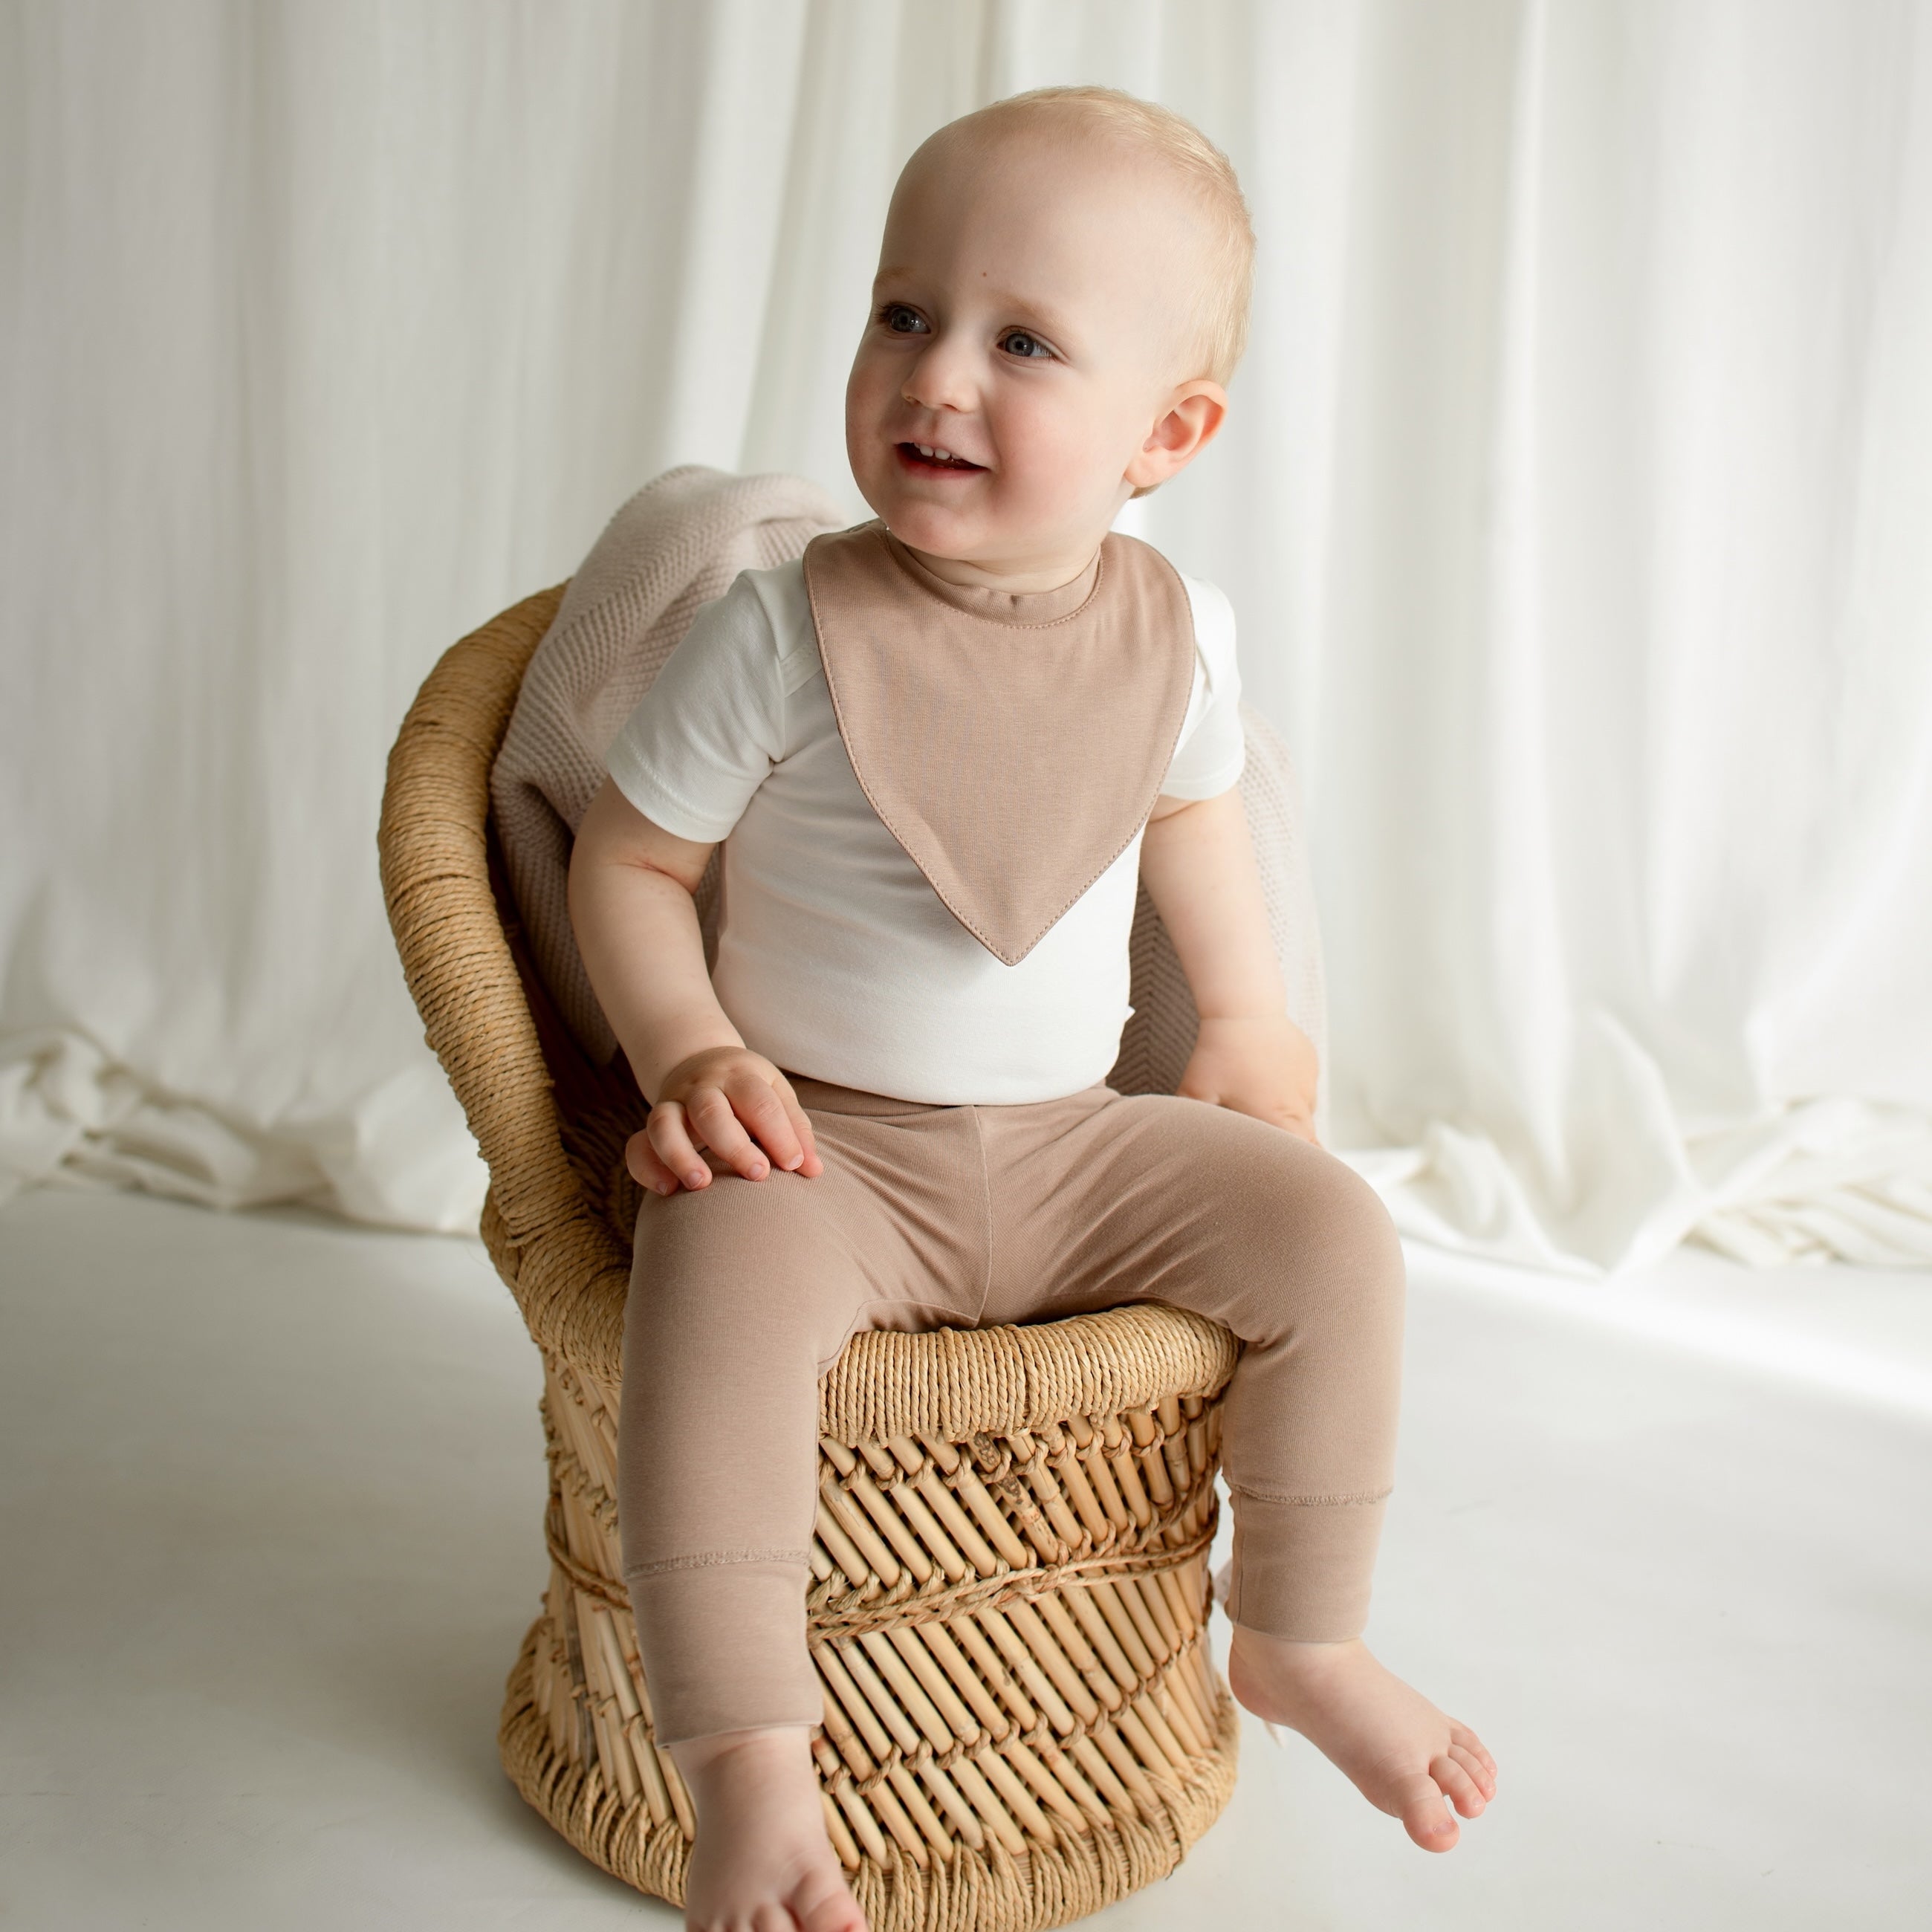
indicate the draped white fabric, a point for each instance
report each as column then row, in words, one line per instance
column 1576, row 505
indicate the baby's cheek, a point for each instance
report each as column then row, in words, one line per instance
column 1057, row 463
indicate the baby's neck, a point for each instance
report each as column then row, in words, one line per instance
column 1018, row 576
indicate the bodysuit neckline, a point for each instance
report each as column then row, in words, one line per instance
column 1017, row 610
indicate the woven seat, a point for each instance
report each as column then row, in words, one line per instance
column 1010, row 1593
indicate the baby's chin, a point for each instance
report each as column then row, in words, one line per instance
column 972, row 530
column 939, row 528
column 936, row 530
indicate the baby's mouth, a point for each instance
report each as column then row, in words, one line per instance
column 931, row 460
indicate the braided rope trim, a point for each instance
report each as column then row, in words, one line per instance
column 995, row 1593
column 981, row 1593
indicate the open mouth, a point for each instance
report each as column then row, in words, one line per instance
column 935, row 462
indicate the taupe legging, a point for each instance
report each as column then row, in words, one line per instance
column 744, row 1293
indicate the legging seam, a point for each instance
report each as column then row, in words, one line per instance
column 1358, row 1498
column 714, row 1559
column 986, row 1191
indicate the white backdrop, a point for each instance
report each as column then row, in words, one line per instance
column 1576, row 503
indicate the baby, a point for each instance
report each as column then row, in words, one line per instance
column 947, row 746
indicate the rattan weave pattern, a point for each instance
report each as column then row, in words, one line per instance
column 1008, row 1597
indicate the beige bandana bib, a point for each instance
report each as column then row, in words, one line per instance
column 1013, row 744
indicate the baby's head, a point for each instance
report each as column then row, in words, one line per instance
column 1062, row 294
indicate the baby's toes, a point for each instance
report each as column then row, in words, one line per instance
column 832, row 1915
column 1417, row 1801
column 1462, row 1737
column 1457, row 1786
column 1483, row 1773
column 827, row 1906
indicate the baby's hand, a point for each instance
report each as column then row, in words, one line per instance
column 733, row 1101
column 1265, row 1067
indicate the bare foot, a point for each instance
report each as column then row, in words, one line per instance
column 762, row 1862
column 1400, row 1752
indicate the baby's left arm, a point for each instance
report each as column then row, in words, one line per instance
column 1198, row 864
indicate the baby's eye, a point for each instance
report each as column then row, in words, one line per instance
column 902, row 320
column 1028, row 348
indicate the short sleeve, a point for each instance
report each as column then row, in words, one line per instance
column 704, row 738
column 1212, row 748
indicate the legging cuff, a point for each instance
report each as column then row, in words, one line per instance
column 1303, row 1569
column 726, row 1642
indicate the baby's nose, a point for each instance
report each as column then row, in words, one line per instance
column 941, row 379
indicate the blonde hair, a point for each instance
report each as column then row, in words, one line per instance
column 1221, row 305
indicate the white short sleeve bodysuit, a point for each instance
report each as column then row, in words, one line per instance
column 836, row 958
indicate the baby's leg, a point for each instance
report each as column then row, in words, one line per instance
column 742, row 1293
column 1171, row 1200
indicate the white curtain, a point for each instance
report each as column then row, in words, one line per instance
column 1577, row 504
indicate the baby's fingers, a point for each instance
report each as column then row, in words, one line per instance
column 646, row 1168
column 801, row 1126
column 715, row 1120
column 779, row 1123
column 670, row 1141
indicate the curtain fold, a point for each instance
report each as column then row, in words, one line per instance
column 1573, row 504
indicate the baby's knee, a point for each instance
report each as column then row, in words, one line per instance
column 1358, row 1221
column 738, row 1257
column 1320, row 1222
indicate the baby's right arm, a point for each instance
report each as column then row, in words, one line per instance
column 631, row 906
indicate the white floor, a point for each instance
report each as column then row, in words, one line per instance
column 269, row 1502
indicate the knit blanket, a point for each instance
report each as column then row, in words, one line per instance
column 676, row 545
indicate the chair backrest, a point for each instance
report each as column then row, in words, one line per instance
column 567, row 1267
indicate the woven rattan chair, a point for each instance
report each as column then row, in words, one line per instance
column 1010, row 1593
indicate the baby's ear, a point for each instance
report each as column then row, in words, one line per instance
column 1189, row 424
